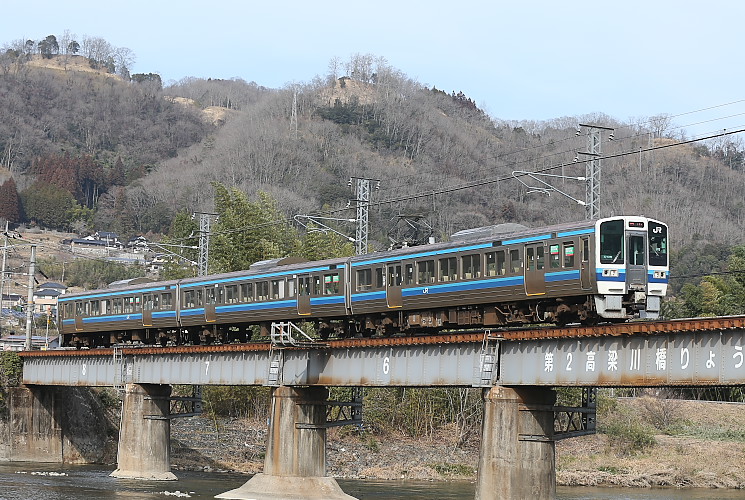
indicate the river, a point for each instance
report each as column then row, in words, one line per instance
column 25, row 481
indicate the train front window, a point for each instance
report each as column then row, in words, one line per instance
column 636, row 251
column 657, row 244
column 611, row 242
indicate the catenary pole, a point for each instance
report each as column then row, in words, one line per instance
column 30, row 300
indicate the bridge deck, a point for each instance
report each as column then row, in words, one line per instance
column 706, row 351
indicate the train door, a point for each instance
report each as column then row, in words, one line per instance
column 147, row 310
column 393, row 288
column 636, row 269
column 78, row 316
column 210, row 299
column 535, row 269
column 304, row 287
column 586, row 266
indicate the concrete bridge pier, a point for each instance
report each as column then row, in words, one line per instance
column 517, row 458
column 295, row 463
column 144, row 435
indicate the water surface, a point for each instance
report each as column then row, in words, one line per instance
column 24, row 481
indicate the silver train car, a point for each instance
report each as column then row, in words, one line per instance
column 611, row 269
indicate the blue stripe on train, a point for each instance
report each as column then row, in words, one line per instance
column 562, row 276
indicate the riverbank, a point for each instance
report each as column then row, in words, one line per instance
column 706, row 449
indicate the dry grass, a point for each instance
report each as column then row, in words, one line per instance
column 677, row 460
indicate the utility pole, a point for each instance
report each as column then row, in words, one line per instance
column 204, row 241
column 2, row 275
column 592, row 170
column 362, row 199
column 30, row 299
column 293, row 118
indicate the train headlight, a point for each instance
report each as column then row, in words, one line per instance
column 660, row 275
column 611, row 273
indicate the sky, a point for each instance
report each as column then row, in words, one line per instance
column 534, row 60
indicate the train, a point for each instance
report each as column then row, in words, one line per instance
column 605, row 270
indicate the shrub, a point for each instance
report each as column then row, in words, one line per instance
column 627, row 434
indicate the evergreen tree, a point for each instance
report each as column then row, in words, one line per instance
column 246, row 231
column 10, row 204
column 319, row 245
column 48, row 206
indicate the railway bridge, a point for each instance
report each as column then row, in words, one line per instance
column 517, row 369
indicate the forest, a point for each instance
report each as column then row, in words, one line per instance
column 85, row 146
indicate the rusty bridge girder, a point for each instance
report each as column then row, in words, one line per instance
column 691, row 352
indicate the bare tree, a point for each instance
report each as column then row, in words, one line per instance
column 124, row 59
column 660, row 124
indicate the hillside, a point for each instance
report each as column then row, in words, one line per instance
column 132, row 154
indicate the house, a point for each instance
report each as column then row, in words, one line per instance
column 86, row 246
column 18, row 342
column 11, row 300
column 138, row 244
column 52, row 285
column 46, row 300
column 111, row 239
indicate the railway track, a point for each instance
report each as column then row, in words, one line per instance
column 533, row 333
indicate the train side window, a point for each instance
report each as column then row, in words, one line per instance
column 516, row 265
column 198, row 297
column 95, row 308
column 291, row 288
column 317, row 286
column 231, row 294
column 448, row 269
column 247, row 292
column 379, row 277
column 409, row 274
column 210, row 296
column 104, row 308
column 471, row 266
column 116, row 306
column 491, row 263
column 188, row 299
column 78, row 308
column 69, row 310
column 129, row 305
column 569, row 254
column 540, row 259
column 220, row 295
column 262, row 290
column 496, row 264
column 554, row 256
column 166, row 300
column 147, row 302
column 364, row 279
column 278, row 289
column 425, row 272
column 331, row 284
